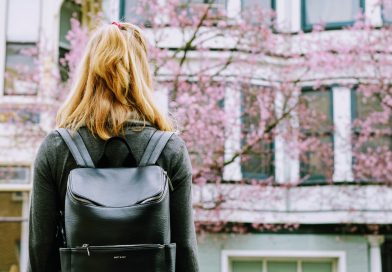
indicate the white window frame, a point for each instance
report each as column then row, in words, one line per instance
column 341, row 104
column 227, row 256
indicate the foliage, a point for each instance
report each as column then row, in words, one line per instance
column 236, row 86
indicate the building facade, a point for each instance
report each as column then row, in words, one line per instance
column 335, row 234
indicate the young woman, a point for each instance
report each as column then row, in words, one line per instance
column 111, row 96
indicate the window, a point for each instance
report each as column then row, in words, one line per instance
column 129, row 12
column 23, row 20
column 332, row 13
column 264, row 4
column 20, row 69
column 257, row 162
column 366, row 142
column 217, row 3
column 362, row 109
column 19, row 116
column 14, row 175
column 21, row 52
column 387, row 11
column 141, row 13
column 216, row 10
column 282, row 265
column 258, row 12
column 316, row 124
column 69, row 10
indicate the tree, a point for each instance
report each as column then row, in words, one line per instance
column 236, row 86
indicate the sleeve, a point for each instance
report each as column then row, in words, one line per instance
column 43, row 219
column 181, row 216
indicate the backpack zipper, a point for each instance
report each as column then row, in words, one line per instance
column 169, row 181
column 135, row 246
column 86, row 246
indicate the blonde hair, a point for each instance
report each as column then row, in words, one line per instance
column 112, row 85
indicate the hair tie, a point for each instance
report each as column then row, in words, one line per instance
column 120, row 26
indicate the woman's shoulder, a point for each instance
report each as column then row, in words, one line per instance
column 176, row 153
column 176, row 144
column 51, row 144
column 52, row 140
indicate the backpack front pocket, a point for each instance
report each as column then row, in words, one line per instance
column 119, row 258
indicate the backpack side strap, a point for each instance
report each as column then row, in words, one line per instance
column 77, row 148
column 155, row 147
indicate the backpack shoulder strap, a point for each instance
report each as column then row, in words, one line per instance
column 77, row 147
column 155, row 147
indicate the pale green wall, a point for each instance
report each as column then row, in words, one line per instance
column 355, row 246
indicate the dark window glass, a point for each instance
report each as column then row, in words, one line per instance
column 257, row 162
column 20, row 69
column 362, row 108
column 380, row 136
column 386, row 254
column 69, row 10
column 331, row 13
column 316, row 162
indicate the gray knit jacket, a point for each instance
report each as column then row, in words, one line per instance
column 51, row 168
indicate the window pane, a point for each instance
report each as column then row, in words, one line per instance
column 319, row 102
column 199, row 5
column 19, row 116
column 365, row 106
column 265, row 4
column 132, row 12
column 23, row 20
column 387, row 10
column 331, row 11
column 316, row 165
column 216, row 2
column 10, row 209
column 317, row 158
column 247, row 266
column 257, row 162
column 69, row 10
column 317, row 266
column 14, row 175
column 363, row 109
column 20, row 69
column 280, row 266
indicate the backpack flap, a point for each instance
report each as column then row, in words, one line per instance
column 116, row 187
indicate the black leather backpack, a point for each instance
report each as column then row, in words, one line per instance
column 117, row 218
